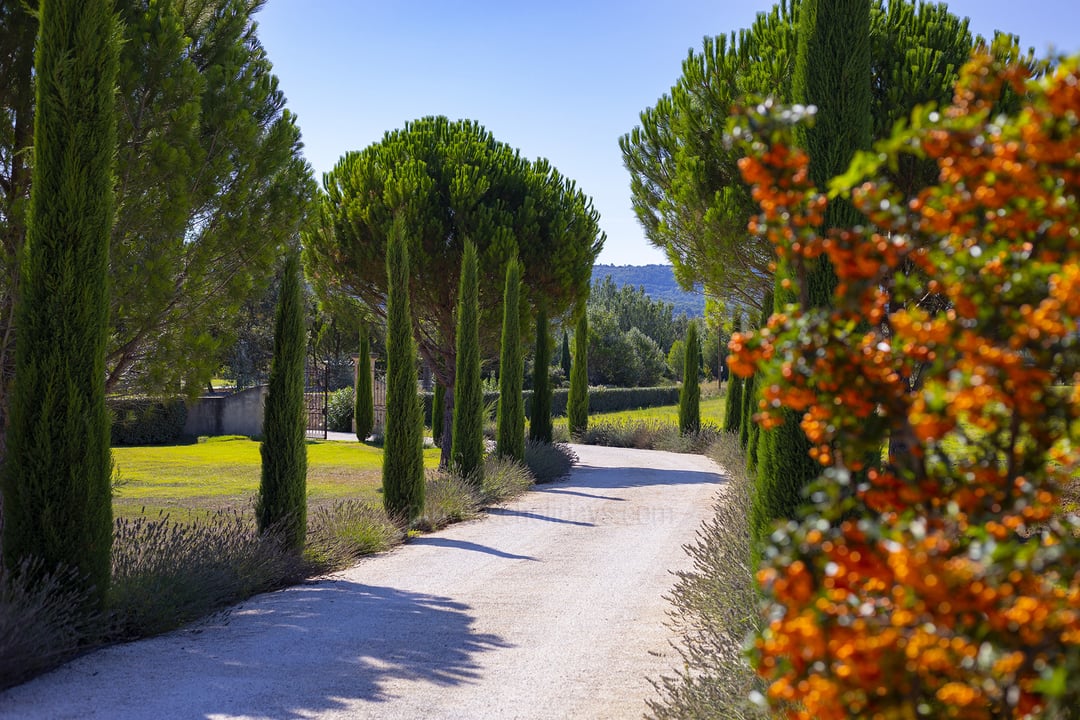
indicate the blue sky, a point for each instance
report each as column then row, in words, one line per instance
column 561, row 80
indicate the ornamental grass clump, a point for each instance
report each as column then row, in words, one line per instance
column 549, row 461
column 348, row 529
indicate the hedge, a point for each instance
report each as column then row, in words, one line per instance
column 146, row 421
column 601, row 400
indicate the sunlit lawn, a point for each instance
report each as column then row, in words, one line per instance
column 224, row 472
column 712, row 411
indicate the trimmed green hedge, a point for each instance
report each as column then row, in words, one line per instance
column 601, row 400
column 146, row 421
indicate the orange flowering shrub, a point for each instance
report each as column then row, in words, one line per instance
column 945, row 581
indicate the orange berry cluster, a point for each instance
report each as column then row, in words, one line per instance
column 943, row 581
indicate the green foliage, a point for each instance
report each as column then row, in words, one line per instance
column 58, row 469
column 282, row 501
column 348, row 529
column 658, row 283
column 686, row 188
column 210, row 186
column 438, row 410
column 626, row 358
column 146, row 421
column 340, row 409
column 564, row 355
column 452, row 181
column 548, row 461
column 540, row 415
column 746, row 412
column 648, row 435
column 690, row 394
column 577, row 402
column 510, row 423
column 675, row 358
column 735, row 406
column 832, row 70
column 364, row 413
column 630, row 307
column 403, row 443
column 467, row 435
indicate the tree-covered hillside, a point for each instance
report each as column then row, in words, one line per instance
column 659, row 283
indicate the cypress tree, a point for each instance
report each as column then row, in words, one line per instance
column 733, row 403
column 540, row 416
column 832, row 72
column 282, row 502
column 690, row 393
column 577, row 403
column 403, row 446
column 467, row 435
column 567, row 365
column 57, row 474
column 510, row 422
column 748, row 429
column 438, row 409
column 364, row 399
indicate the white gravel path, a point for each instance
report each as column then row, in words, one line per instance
column 550, row 607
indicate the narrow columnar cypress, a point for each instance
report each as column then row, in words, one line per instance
column 540, row 415
column 510, row 422
column 364, row 398
column 564, row 360
column 282, row 502
column 403, row 445
column 748, row 429
column 577, row 403
column 733, row 403
column 832, row 72
column 467, row 435
column 56, row 481
column 690, row 393
column 438, row 409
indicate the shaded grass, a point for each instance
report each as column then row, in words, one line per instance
column 188, row 481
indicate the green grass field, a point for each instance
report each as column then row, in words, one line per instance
column 224, row 472
column 189, row 480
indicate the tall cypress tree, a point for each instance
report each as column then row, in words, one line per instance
column 733, row 403
column 540, row 416
column 510, row 422
column 749, row 430
column 438, row 409
column 832, row 72
column 364, row 398
column 56, row 482
column 403, row 445
column 282, row 502
column 564, row 360
column 690, row 393
column 467, row 436
column 577, row 403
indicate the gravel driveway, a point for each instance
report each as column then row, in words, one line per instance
column 550, row 607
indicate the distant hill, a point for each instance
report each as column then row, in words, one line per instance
column 659, row 283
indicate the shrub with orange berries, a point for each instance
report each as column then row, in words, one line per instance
column 945, row 580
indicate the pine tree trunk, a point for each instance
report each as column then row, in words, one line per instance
column 57, row 477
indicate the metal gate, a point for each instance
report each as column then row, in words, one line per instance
column 315, row 399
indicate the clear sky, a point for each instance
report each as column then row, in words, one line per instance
column 558, row 79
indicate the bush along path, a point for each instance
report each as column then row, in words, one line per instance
column 552, row 607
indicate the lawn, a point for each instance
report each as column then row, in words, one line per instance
column 224, row 472
column 712, row 411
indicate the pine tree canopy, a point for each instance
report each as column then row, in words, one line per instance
column 451, row 181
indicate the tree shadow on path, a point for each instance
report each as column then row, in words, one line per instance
column 321, row 647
